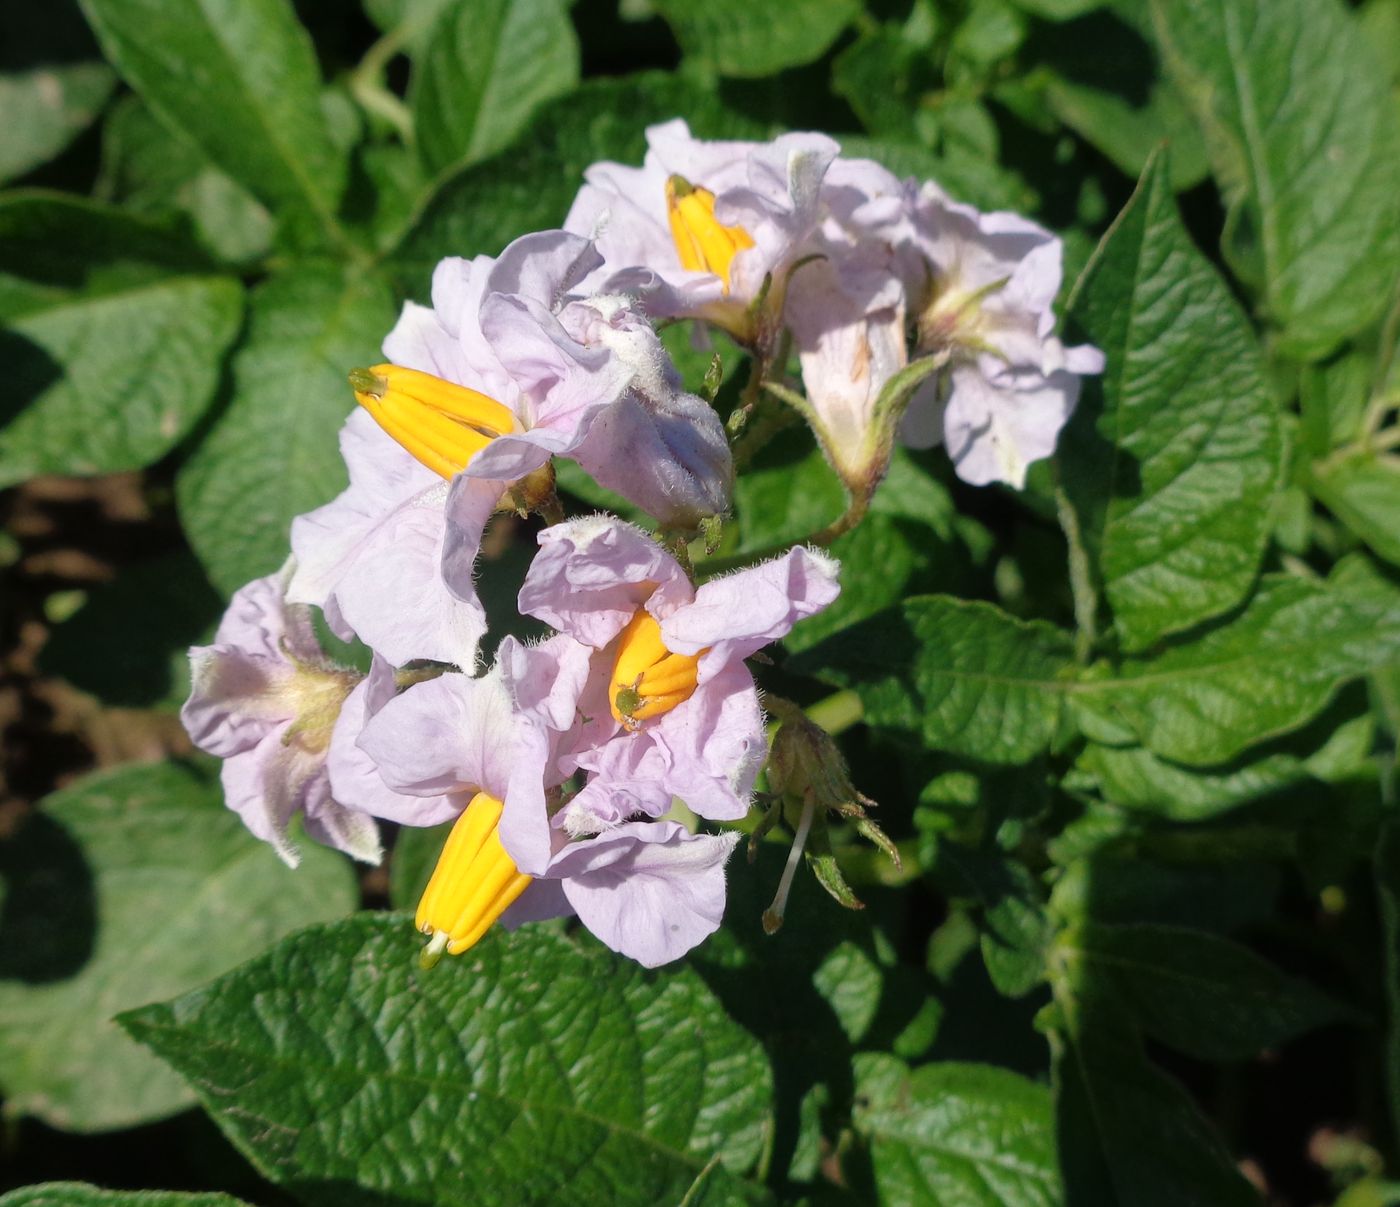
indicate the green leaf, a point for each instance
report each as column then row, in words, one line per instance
column 1104, row 84
column 1173, row 458
column 1196, row 992
column 79, row 1194
column 111, row 360
column 150, row 169
column 1128, row 1136
column 128, row 644
column 1304, row 137
column 1262, row 673
column 961, row 676
column 133, row 884
column 273, row 454
column 486, row 67
column 531, row 1070
column 1137, row 779
column 530, row 187
column 1362, row 489
column 45, row 108
column 970, row 1134
column 1016, row 931
column 739, row 38
column 239, row 79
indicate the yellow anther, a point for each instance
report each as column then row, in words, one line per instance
column 441, row 424
column 474, row 883
column 703, row 243
column 648, row 679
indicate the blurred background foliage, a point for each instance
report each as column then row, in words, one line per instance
column 1144, row 946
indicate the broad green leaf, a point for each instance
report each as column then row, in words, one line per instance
column 1015, row 930
column 740, row 38
column 531, row 1070
column 1060, row 10
column 884, row 75
column 1304, row 137
column 131, row 885
column 486, row 67
column 1196, row 992
column 1362, row 489
column 1137, row 779
column 239, row 79
column 1172, row 459
column 1262, row 673
column 111, row 358
column 961, row 676
column 1128, row 1136
column 413, row 19
column 79, row 1194
column 45, row 108
column 970, row 1134
column 150, row 169
column 1105, row 86
column 1219, row 896
column 273, row 453
column 531, row 186
column 128, row 644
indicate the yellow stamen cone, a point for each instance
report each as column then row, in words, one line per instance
column 648, row 679
column 474, row 883
column 703, row 243
column 441, row 424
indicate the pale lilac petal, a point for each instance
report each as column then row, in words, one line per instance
column 395, row 596
column 545, row 266
column 592, row 574
column 668, row 455
column 629, row 777
column 260, row 622
column 733, row 616
column 470, row 504
column 996, row 426
column 452, row 734
column 355, row 781
column 236, row 699
column 333, row 824
column 383, row 478
column 266, row 786
column 544, row 899
column 648, row 890
column 715, row 744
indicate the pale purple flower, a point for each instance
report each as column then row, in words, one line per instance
column 267, row 701
column 391, row 559
column 649, row 890
column 590, row 580
column 978, row 289
column 766, row 192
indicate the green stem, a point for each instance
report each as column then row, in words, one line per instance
column 837, row 713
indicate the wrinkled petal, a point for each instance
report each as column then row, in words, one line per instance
column 648, row 890
column 335, row 825
column 630, row 777
column 733, row 616
column 995, row 427
column 266, row 786
column 452, row 734
column 355, row 781
column 544, row 266
column 236, row 699
column 715, row 745
column 591, row 574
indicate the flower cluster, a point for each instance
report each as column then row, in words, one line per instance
column 577, row 771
